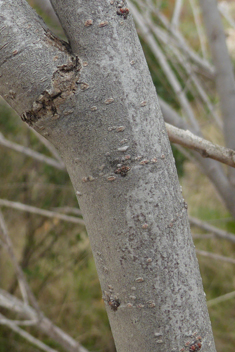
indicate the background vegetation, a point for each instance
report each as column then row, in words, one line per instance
column 55, row 255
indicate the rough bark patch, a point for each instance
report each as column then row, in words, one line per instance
column 64, row 85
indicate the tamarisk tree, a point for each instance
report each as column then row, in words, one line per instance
column 94, row 100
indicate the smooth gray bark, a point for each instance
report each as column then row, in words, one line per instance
column 225, row 80
column 100, row 110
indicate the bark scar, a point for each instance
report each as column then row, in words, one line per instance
column 64, row 85
column 112, row 301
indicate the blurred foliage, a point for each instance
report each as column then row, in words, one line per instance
column 163, row 87
column 179, row 160
column 56, row 256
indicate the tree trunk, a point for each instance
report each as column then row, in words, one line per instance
column 100, row 110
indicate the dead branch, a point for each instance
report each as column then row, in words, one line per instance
column 48, row 145
column 42, row 212
column 29, row 152
column 25, row 289
column 25, row 334
column 204, row 147
column 220, row 299
column 212, row 229
column 215, row 256
column 14, row 304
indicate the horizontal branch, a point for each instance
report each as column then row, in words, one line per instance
column 23, row 322
column 212, row 229
column 42, row 212
column 204, row 147
column 29, row 152
column 220, row 299
column 205, row 236
column 215, row 256
column 67, row 210
column 211, row 168
column 176, row 135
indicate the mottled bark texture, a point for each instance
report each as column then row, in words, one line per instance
column 99, row 108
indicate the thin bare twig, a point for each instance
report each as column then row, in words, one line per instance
column 23, row 322
column 67, row 210
column 223, row 8
column 205, row 236
column 25, row 289
column 198, row 27
column 176, row 13
column 14, row 304
column 182, row 98
column 29, row 152
column 217, row 232
column 47, row 144
column 42, row 212
column 220, row 299
column 43, row 186
column 215, row 256
column 163, row 37
column 200, row 62
column 25, row 334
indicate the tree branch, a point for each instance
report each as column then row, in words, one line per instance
column 25, row 289
column 34, row 210
column 223, row 8
column 14, row 304
column 25, row 39
column 37, row 317
column 176, row 135
column 220, row 299
column 176, row 13
column 163, row 37
column 212, row 229
column 204, row 147
column 225, row 80
column 48, row 145
column 184, row 103
column 29, row 152
column 215, row 256
column 209, row 167
column 25, row 334
column 197, row 21
column 203, row 64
